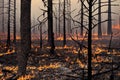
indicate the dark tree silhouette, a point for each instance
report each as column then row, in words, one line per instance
column 3, row 16
column 50, row 26
column 64, row 26
column 82, row 16
column 90, row 41
column 14, row 33
column 25, row 31
column 99, row 19
column 109, row 27
column 59, row 19
column 8, row 27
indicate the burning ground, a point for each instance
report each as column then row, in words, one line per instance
column 68, row 63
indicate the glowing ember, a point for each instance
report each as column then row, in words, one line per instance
column 116, row 27
column 52, row 66
column 26, row 77
column 80, row 63
column 10, row 51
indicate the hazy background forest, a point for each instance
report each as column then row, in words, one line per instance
column 59, row 39
column 37, row 5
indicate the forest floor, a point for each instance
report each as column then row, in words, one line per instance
column 66, row 64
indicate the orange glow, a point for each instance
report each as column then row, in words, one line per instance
column 10, row 51
column 117, row 27
column 18, row 37
column 26, row 77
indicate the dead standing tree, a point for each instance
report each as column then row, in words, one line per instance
column 50, row 26
column 3, row 29
column 91, row 25
column 14, row 22
column 64, row 25
column 25, row 31
column 109, row 28
column 99, row 19
column 49, row 5
column 8, row 27
column 11, row 21
column 82, row 16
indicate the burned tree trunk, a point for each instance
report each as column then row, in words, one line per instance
column 3, row 17
column 8, row 27
column 59, row 19
column 90, row 41
column 25, row 31
column 40, row 36
column 64, row 26
column 14, row 32
column 81, row 32
column 109, row 27
column 50, row 27
column 99, row 20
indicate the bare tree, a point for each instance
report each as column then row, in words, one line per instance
column 25, row 31
column 64, row 26
column 8, row 27
column 82, row 16
column 59, row 18
column 99, row 19
column 90, row 40
column 50, row 26
column 109, row 27
column 14, row 29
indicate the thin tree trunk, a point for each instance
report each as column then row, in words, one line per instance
column 59, row 18
column 14, row 34
column 99, row 20
column 40, row 36
column 109, row 28
column 3, row 17
column 64, row 26
column 81, row 32
column 50, row 27
column 56, row 25
column 90, row 42
column 8, row 28
column 25, row 31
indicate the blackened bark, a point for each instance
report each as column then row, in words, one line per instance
column 99, row 20
column 40, row 36
column 50, row 27
column 64, row 26
column 90, row 42
column 81, row 32
column 8, row 27
column 14, row 33
column 25, row 31
column 109, row 28
column 59, row 19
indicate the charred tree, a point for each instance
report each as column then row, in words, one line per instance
column 82, row 14
column 40, row 36
column 99, row 20
column 59, row 19
column 68, row 11
column 25, row 31
column 109, row 27
column 90, row 41
column 64, row 26
column 3, row 17
column 14, row 28
column 50, row 26
column 8, row 26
